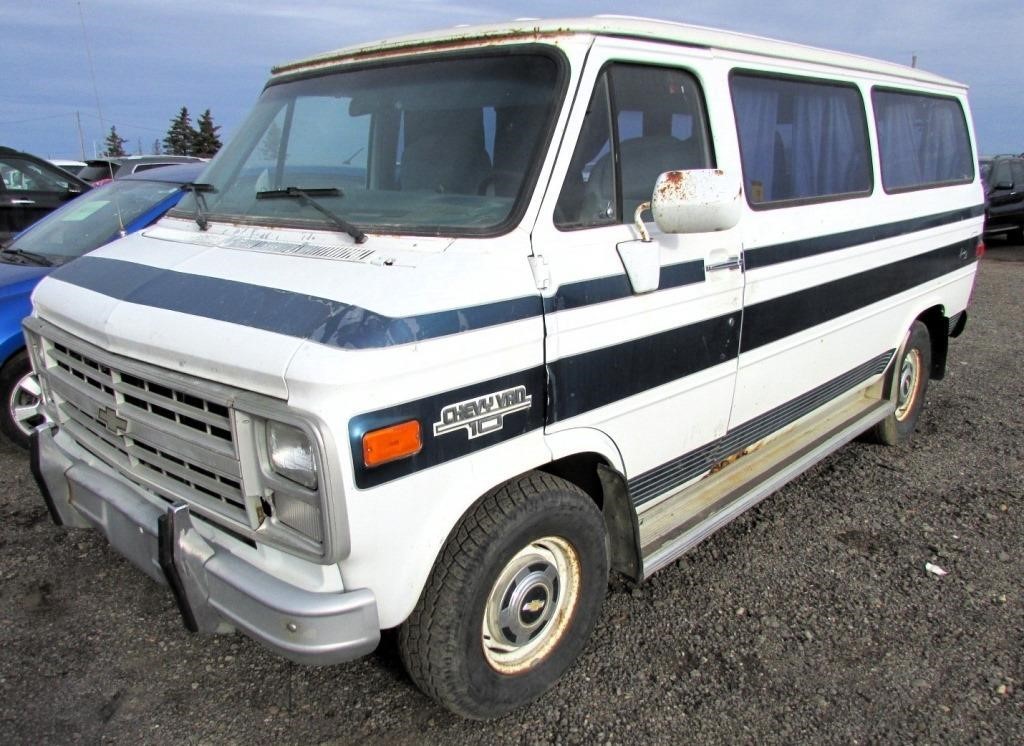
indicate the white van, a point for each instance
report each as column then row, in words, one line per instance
column 456, row 323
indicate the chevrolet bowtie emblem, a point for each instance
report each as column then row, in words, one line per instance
column 109, row 419
column 534, row 606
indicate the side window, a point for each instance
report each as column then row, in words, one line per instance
column 1017, row 170
column 21, row 175
column 1001, row 174
column 641, row 122
column 922, row 140
column 578, row 205
column 800, row 139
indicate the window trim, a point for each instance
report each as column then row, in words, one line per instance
column 830, row 82
column 923, row 94
column 709, row 135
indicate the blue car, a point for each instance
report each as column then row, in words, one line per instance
column 99, row 216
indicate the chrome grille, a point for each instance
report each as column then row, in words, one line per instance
column 151, row 429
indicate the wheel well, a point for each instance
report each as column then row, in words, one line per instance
column 938, row 332
column 592, row 473
column 581, row 470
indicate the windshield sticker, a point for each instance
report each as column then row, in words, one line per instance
column 81, row 212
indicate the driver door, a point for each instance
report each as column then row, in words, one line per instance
column 656, row 370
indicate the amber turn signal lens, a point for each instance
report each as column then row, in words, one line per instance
column 392, row 443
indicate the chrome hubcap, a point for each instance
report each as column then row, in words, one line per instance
column 531, row 604
column 910, row 375
column 25, row 405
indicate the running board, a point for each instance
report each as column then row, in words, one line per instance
column 683, row 520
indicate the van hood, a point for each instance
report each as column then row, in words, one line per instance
column 234, row 304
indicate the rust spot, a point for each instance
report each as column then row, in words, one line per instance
column 675, row 185
column 386, row 51
column 735, row 457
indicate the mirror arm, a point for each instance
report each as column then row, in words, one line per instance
column 638, row 221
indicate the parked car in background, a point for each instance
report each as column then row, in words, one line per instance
column 1003, row 176
column 101, row 170
column 72, row 167
column 30, row 188
column 105, row 213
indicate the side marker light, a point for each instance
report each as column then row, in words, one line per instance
column 392, row 443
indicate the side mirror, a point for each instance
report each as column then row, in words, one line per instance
column 1004, row 185
column 696, row 201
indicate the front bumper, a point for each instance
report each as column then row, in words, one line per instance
column 216, row 590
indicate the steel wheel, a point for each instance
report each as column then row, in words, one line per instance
column 907, row 386
column 908, row 383
column 530, row 605
column 512, row 598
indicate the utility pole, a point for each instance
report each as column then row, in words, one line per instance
column 81, row 137
column 913, row 60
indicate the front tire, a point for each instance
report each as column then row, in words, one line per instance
column 22, row 399
column 911, row 376
column 512, row 598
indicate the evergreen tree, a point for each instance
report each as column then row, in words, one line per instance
column 114, row 144
column 181, row 136
column 206, row 142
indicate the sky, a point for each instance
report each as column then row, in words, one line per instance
column 134, row 63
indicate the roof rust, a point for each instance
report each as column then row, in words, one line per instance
column 432, row 44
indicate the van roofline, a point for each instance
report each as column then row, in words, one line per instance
column 628, row 27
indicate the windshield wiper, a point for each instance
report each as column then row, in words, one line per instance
column 306, row 197
column 198, row 189
column 29, row 256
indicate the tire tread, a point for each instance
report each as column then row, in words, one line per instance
column 431, row 657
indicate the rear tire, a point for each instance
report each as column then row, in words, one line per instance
column 911, row 375
column 512, row 599
column 22, row 399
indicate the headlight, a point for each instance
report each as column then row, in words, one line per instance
column 291, row 454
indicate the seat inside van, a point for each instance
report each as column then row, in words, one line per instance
column 444, row 152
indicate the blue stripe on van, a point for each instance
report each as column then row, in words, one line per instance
column 772, row 320
column 322, row 320
column 615, row 287
column 765, row 256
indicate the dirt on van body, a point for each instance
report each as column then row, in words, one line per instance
column 811, row 618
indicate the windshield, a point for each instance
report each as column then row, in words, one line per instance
column 93, row 219
column 98, row 170
column 437, row 146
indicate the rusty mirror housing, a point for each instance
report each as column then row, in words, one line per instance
column 696, row 201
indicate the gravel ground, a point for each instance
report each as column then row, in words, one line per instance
column 810, row 618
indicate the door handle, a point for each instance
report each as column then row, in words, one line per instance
column 23, row 201
column 732, row 262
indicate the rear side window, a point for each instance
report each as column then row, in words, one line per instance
column 922, row 140
column 800, row 140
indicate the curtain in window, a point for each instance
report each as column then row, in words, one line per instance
column 757, row 115
column 897, row 141
column 829, row 150
column 943, row 146
column 922, row 140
